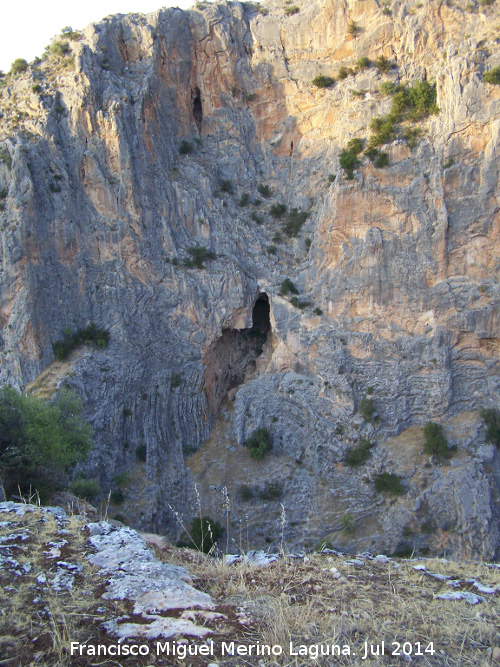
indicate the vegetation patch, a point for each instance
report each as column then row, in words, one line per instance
column 89, row 335
column 321, row 81
column 203, row 535
column 199, row 255
column 185, row 147
column 389, row 483
column 40, row 440
column 359, row 454
column 288, row 287
column 141, row 453
column 344, row 72
column 259, row 443
column 294, row 222
column 492, row 76
column 367, row 409
column 87, row 489
column 277, row 210
column 491, row 417
column 436, row 443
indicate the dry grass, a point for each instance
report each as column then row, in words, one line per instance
column 303, row 602
column 299, row 600
column 38, row 623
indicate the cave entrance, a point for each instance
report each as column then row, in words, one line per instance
column 260, row 315
column 233, row 355
column 197, row 109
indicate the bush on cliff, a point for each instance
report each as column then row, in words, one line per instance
column 40, row 440
column 90, row 335
column 436, row 443
column 491, row 418
column 259, row 443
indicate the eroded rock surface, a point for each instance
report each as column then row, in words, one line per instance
column 399, row 287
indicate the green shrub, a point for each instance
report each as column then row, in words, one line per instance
column 491, row 417
column 60, row 48
column 318, row 311
column 121, row 479
column 492, row 76
column 307, row 243
column 382, row 64
column 382, row 160
column 72, row 35
column 176, row 380
column 199, row 255
column 85, row 488
column 349, row 161
column 436, row 443
column 321, row 81
column 259, row 443
column 277, row 210
column 117, row 497
column 36, row 88
column 294, row 222
column 271, row 249
column 387, row 483
column 89, row 335
column 271, row 491
column 5, row 157
column 347, row 523
column 331, row 177
column 3, row 193
column 141, row 452
column 371, row 152
column 40, row 440
column 185, row 147
column 403, row 551
column 353, row 28
column 363, row 63
column 383, row 129
column 226, row 186
column 245, row 198
column 386, row 11
column 389, row 88
column 427, row 527
column 411, row 135
column 246, row 493
column 258, row 219
column 264, row 190
column 288, row 287
column 367, row 409
column 204, row 534
column 357, row 455
column 18, row 66
column 127, row 412
column 289, row 11
column 250, row 97
column 344, row 72
column 355, row 145
column 449, row 163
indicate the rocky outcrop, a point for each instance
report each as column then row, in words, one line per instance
column 397, row 270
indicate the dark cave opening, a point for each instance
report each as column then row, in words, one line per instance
column 229, row 359
column 260, row 314
column 197, row 109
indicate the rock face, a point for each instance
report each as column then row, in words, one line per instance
column 113, row 175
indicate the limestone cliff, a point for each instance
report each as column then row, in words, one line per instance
column 154, row 138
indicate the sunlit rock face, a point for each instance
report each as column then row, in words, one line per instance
column 158, row 143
